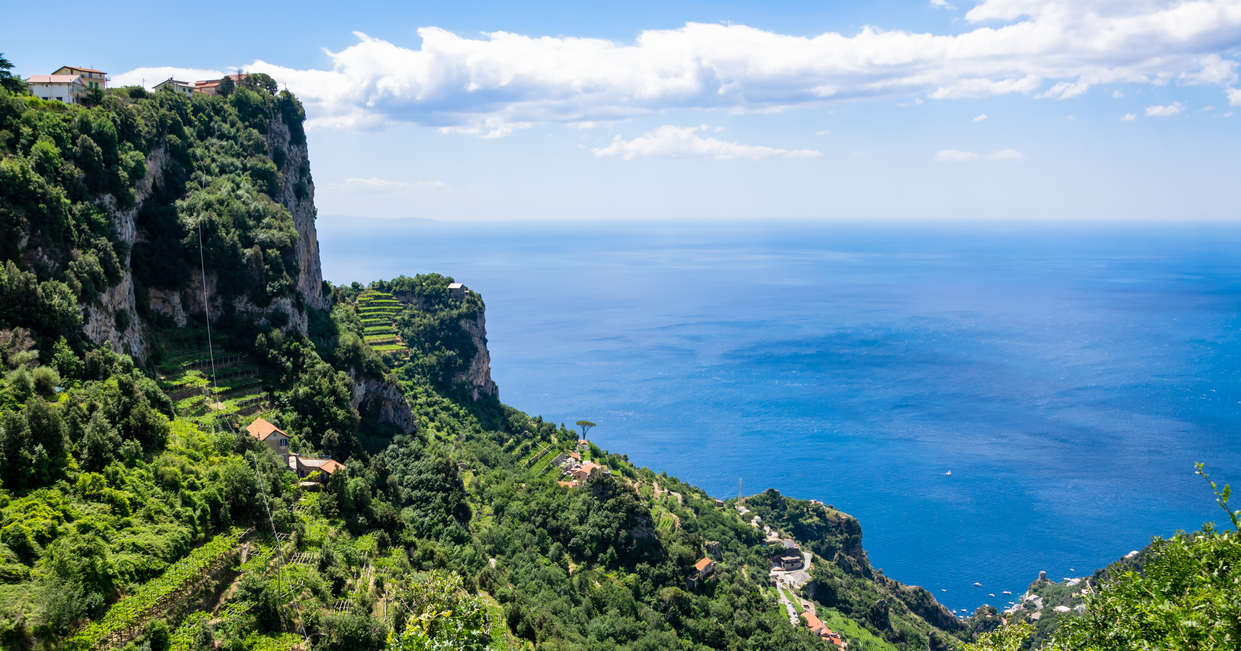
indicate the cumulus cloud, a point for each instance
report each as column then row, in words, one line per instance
column 1234, row 96
column 1164, row 111
column 980, row 117
column 1128, row 117
column 958, row 156
column 491, row 84
column 942, row 4
column 670, row 141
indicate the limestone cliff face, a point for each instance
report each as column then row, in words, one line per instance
column 102, row 319
column 382, row 399
column 478, row 374
column 297, row 193
column 118, row 305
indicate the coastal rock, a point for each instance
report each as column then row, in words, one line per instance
column 478, row 374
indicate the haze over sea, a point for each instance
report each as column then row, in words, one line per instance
column 1067, row 375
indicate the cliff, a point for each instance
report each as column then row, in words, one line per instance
column 477, row 374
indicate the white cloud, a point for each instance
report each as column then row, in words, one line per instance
column 494, row 83
column 1128, row 117
column 1234, row 96
column 1164, row 111
column 980, row 117
column 942, row 4
column 958, row 156
column 686, row 142
column 148, row 77
column 823, row 132
column 1116, row 94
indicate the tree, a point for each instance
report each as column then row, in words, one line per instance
column 585, row 425
column 226, row 86
column 9, row 82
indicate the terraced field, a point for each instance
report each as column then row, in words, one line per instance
column 185, row 375
column 378, row 311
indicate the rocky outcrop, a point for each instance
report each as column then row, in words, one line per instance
column 478, row 374
column 118, row 306
column 297, row 193
column 381, row 399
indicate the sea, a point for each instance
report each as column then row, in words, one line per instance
column 989, row 399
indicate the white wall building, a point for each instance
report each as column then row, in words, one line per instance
column 62, row 88
column 183, row 87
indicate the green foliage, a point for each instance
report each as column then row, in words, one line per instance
column 137, row 606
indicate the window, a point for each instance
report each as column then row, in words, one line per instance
column 284, row 443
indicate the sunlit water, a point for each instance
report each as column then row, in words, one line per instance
column 1068, row 377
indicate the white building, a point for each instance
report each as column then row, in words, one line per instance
column 62, row 88
column 183, row 87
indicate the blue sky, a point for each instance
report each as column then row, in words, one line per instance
column 926, row 109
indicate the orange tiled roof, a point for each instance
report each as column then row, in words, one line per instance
column 261, row 429
column 703, row 563
column 82, row 69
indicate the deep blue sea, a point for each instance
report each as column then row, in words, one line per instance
column 1068, row 376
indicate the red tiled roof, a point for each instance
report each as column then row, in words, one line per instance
column 812, row 621
column 261, row 429
column 703, row 563
column 82, row 69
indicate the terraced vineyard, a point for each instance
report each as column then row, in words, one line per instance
column 181, row 580
column 185, row 375
column 378, row 310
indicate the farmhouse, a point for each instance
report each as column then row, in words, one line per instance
column 62, row 88
column 91, row 78
column 212, row 86
column 264, row 431
column 817, row 627
column 305, row 466
column 704, row 570
column 183, row 87
column 457, row 290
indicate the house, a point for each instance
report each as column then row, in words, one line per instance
column 582, row 472
column 91, row 78
column 305, row 466
column 457, row 290
column 704, row 570
column 575, row 455
column 583, row 443
column 62, row 88
column 790, row 562
column 817, row 627
column 183, row 87
column 212, row 86
column 264, row 431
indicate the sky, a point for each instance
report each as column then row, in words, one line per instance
column 1081, row 110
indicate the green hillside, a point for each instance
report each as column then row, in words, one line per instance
column 137, row 512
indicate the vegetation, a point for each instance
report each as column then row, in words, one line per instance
column 136, row 513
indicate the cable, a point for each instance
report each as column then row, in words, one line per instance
column 202, row 267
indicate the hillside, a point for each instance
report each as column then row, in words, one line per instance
column 206, row 446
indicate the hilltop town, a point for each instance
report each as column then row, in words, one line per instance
column 73, row 84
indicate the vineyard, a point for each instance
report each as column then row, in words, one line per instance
column 180, row 581
column 378, row 310
column 185, row 374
